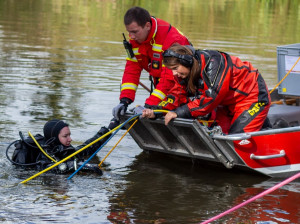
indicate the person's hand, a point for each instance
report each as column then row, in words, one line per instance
column 118, row 110
column 138, row 109
column 169, row 116
column 121, row 108
column 148, row 113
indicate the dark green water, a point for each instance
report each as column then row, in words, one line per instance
column 65, row 59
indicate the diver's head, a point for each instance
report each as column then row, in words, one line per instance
column 59, row 130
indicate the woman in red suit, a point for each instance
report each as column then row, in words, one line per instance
column 210, row 82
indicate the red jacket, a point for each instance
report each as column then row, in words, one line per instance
column 148, row 56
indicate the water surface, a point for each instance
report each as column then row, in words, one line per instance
column 64, row 59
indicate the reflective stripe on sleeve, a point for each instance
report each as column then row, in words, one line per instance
column 159, row 94
column 128, row 85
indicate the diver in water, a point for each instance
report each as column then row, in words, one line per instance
column 56, row 143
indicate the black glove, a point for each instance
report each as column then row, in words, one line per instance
column 113, row 123
column 103, row 130
column 90, row 167
column 153, row 107
column 183, row 112
column 121, row 108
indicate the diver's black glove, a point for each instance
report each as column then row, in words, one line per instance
column 90, row 167
column 121, row 108
column 113, row 123
column 103, row 131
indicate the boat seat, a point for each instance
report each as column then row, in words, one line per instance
column 281, row 116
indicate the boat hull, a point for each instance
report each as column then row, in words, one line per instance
column 272, row 152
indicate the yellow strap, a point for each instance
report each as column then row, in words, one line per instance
column 284, row 76
column 38, row 145
column 99, row 165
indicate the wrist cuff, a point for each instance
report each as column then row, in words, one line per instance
column 126, row 101
column 183, row 112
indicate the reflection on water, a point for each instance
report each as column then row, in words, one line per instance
column 165, row 190
column 276, row 207
column 65, row 59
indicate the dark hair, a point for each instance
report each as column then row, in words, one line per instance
column 137, row 14
column 177, row 58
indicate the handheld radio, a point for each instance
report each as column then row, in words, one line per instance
column 128, row 47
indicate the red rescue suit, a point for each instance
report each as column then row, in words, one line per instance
column 232, row 88
column 148, row 56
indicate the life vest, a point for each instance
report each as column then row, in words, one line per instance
column 153, row 52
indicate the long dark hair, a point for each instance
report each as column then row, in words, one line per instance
column 194, row 75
